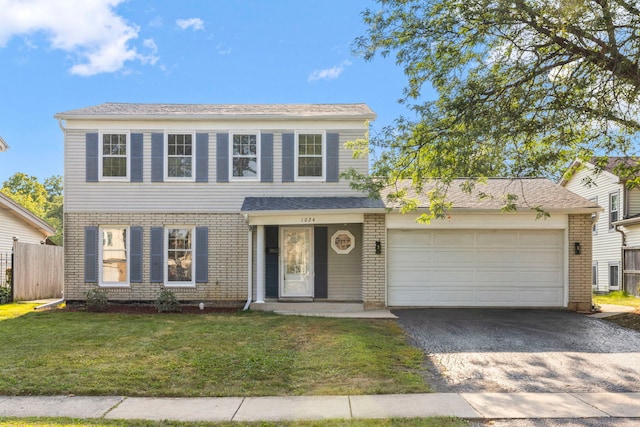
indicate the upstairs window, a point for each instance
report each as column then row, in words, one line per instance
column 614, row 207
column 310, row 154
column 180, row 155
column 245, row 150
column 114, row 150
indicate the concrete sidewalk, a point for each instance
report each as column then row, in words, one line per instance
column 477, row 406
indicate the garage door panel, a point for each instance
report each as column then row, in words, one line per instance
column 451, row 257
column 476, row 268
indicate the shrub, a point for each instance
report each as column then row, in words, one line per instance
column 97, row 300
column 5, row 295
column 167, row 302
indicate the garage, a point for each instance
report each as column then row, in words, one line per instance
column 476, row 267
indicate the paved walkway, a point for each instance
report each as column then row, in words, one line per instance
column 478, row 406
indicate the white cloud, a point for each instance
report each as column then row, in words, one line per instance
column 194, row 23
column 328, row 73
column 99, row 39
column 223, row 50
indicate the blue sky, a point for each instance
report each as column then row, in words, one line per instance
column 59, row 55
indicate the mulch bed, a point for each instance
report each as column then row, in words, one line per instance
column 150, row 309
column 628, row 320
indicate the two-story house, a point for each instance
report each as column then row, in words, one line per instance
column 616, row 231
column 245, row 204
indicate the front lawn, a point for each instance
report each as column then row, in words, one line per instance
column 9, row 311
column 617, row 298
column 246, row 354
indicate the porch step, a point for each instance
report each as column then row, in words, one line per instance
column 309, row 307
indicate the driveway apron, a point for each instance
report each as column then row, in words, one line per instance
column 502, row 350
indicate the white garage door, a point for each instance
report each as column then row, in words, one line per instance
column 476, row 268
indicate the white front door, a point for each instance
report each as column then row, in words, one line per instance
column 297, row 262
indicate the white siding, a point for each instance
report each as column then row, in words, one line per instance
column 606, row 242
column 345, row 270
column 633, row 202
column 11, row 226
column 148, row 196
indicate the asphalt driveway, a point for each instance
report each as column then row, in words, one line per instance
column 473, row 350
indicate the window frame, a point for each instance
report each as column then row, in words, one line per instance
column 258, row 155
column 181, row 284
column 101, row 155
column 594, row 275
column 296, row 143
column 101, row 282
column 594, row 218
column 617, row 211
column 191, row 178
column 617, row 266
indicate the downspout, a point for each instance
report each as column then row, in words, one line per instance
column 51, row 304
column 249, row 271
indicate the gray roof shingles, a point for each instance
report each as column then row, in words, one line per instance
column 253, row 204
column 123, row 110
column 531, row 192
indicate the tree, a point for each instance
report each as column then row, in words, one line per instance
column 523, row 87
column 43, row 200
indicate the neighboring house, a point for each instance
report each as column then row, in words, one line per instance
column 3, row 145
column 616, row 231
column 228, row 204
column 18, row 222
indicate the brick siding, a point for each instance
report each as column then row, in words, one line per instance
column 580, row 265
column 227, row 266
column 374, row 270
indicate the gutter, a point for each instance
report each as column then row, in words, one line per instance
column 50, row 304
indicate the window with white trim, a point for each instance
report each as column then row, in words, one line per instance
column 180, row 149
column 594, row 218
column 114, row 256
column 179, row 250
column 114, row 156
column 614, row 208
column 614, row 275
column 310, row 155
column 245, row 155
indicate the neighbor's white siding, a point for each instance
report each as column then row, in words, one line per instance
column 11, row 226
column 82, row 196
column 607, row 242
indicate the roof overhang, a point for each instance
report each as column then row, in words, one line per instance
column 210, row 117
column 26, row 216
column 3, row 145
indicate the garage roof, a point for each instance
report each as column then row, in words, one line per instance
column 530, row 193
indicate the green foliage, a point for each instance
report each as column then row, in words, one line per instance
column 5, row 294
column 167, row 302
column 523, row 87
column 97, row 300
column 42, row 199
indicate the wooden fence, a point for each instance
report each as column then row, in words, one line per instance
column 38, row 271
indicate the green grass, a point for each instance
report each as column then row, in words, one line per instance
column 9, row 311
column 246, row 354
column 395, row 422
column 617, row 298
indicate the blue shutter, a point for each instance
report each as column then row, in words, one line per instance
column 157, row 157
column 157, row 250
column 333, row 154
column 136, row 157
column 135, row 255
column 92, row 157
column 222, row 157
column 91, row 254
column 202, row 254
column 288, row 157
column 266, row 161
column 202, row 157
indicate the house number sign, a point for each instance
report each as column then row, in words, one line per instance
column 307, row 220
